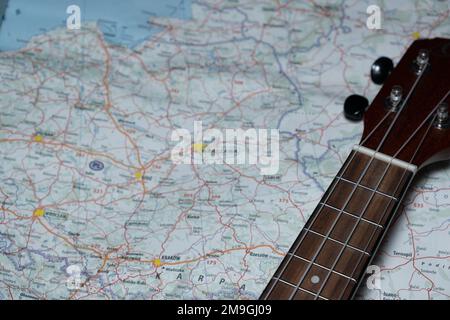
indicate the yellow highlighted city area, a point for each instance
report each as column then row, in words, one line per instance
column 138, row 175
column 39, row 212
column 416, row 35
column 157, row 263
column 38, row 138
column 199, row 147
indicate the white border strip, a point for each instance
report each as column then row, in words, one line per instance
column 385, row 158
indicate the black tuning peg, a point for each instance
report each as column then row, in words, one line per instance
column 355, row 106
column 381, row 69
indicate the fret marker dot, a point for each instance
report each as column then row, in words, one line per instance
column 315, row 279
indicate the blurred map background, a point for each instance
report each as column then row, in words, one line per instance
column 92, row 206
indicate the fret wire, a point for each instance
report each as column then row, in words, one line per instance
column 333, row 225
column 323, row 267
column 398, row 203
column 356, row 226
column 331, row 189
column 354, row 215
column 364, row 172
column 370, row 240
column 367, row 188
column 346, row 167
column 386, row 211
column 349, row 161
column 300, row 288
column 337, row 241
column 401, row 179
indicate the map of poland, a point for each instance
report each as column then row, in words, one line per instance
column 91, row 205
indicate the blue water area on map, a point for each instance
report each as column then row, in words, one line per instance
column 123, row 22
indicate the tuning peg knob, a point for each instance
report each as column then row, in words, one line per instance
column 381, row 69
column 355, row 106
column 442, row 119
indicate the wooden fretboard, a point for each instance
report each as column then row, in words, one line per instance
column 330, row 256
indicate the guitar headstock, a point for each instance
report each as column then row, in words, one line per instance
column 408, row 119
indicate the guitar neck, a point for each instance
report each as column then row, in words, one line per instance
column 329, row 257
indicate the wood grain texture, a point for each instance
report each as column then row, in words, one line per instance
column 424, row 147
column 330, row 255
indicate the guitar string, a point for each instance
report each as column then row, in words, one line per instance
column 394, row 157
column 423, row 122
column 332, row 189
column 358, row 183
column 433, row 112
column 369, row 201
column 329, row 192
column 422, row 140
column 327, row 236
column 390, row 220
column 284, row 263
column 344, row 169
column 398, row 201
column 350, row 235
column 397, row 115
